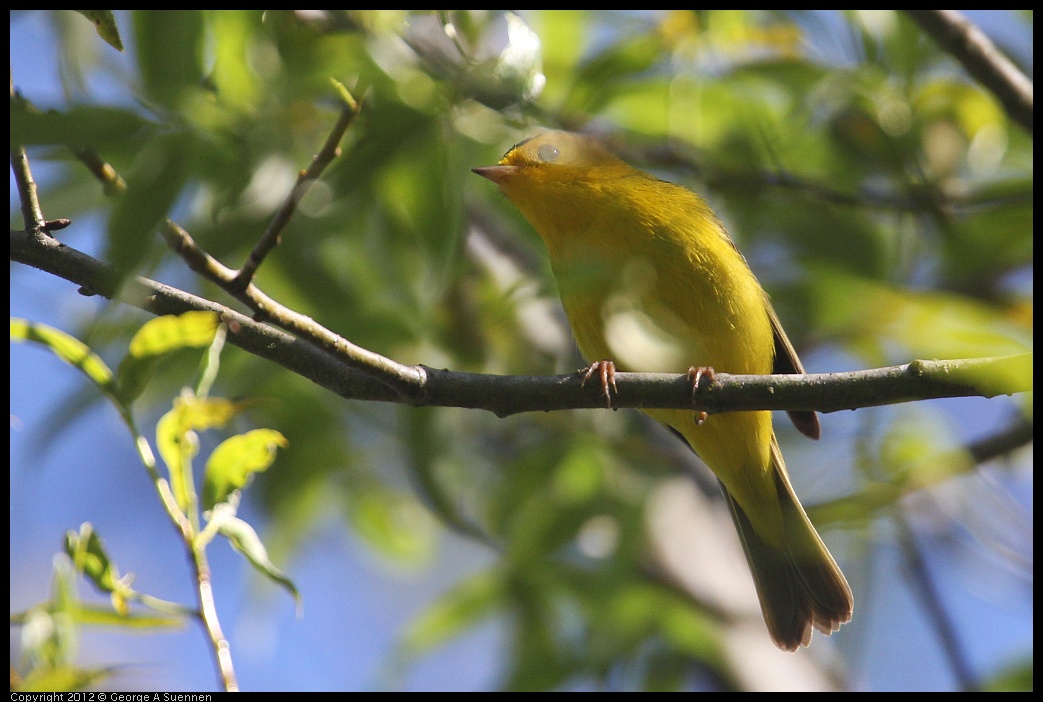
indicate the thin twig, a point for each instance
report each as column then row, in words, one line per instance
column 97, row 278
column 208, row 614
column 32, row 215
column 36, row 231
column 272, row 236
column 986, row 63
column 105, row 173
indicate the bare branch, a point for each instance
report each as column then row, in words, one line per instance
column 32, row 215
column 330, row 150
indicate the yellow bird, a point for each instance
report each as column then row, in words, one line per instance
column 650, row 280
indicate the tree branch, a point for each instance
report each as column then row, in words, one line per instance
column 986, row 63
column 399, row 378
column 305, row 178
column 355, row 373
column 32, row 215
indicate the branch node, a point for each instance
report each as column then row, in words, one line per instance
column 54, row 225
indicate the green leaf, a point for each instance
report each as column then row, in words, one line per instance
column 177, row 446
column 1015, row 678
column 235, row 460
column 67, row 348
column 160, row 336
column 689, row 629
column 541, row 661
column 455, row 611
column 96, row 615
column 425, row 446
column 90, row 558
column 232, row 34
column 599, row 77
column 920, row 449
column 105, row 22
column 170, row 54
column 49, row 632
column 246, row 541
column 643, row 106
column 154, row 183
column 177, row 441
column 926, row 324
column 77, row 126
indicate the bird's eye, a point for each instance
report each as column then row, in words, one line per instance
column 547, row 153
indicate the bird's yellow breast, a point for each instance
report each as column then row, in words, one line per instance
column 650, row 280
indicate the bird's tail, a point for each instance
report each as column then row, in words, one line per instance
column 799, row 585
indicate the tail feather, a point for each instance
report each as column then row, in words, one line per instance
column 800, row 586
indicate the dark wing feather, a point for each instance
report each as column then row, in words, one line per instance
column 786, row 361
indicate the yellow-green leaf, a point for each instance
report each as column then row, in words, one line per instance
column 97, row 615
column 236, row 459
column 105, row 22
column 67, row 348
column 246, row 541
column 96, row 125
column 90, row 558
column 160, row 336
column 170, row 46
column 177, row 441
column 393, row 522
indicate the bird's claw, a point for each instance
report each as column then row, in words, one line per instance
column 606, row 372
column 695, row 376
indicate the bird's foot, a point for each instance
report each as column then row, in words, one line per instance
column 606, row 373
column 695, row 376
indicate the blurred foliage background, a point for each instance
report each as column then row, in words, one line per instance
column 883, row 198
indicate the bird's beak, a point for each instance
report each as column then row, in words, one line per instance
column 496, row 174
